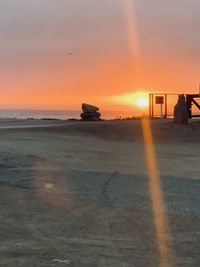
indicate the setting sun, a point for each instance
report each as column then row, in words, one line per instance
column 142, row 102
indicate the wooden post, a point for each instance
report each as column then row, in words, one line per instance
column 152, row 105
column 166, row 106
column 150, row 114
column 161, row 110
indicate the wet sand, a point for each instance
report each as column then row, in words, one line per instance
column 77, row 194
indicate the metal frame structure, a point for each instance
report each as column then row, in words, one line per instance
column 152, row 103
column 190, row 100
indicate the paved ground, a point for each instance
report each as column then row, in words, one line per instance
column 83, row 199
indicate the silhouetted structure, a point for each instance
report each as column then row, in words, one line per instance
column 162, row 99
column 158, row 99
column 190, row 100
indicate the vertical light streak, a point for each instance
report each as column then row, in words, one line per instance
column 163, row 236
column 133, row 37
column 130, row 17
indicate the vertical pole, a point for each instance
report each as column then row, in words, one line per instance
column 166, row 106
column 150, row 114
column 161, row 110
column 199, row 89
column 152, row 105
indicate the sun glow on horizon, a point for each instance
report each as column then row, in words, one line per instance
column 138, row 99
column 142, row 102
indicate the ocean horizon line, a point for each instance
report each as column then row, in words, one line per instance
column 57, row 114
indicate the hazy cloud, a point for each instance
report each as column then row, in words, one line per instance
column 37, row 35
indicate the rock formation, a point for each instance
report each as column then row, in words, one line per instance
column 180, row 111
column 90, row 113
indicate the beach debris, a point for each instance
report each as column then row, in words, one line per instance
column 90, row 113
column 61, row 261
column 180, row 111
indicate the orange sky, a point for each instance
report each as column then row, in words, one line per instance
column 118, row 47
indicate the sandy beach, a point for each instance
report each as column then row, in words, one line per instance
column 77, row 193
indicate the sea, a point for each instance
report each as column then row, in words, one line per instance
column 23, row 114
column 57, row 114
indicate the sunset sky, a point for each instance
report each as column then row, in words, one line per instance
column 117, row 47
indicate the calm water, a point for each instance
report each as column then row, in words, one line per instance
column 57, row 114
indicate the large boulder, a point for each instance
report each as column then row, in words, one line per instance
column 89, row 108
column 90, row 113
column 91, row 116
column 180, row 111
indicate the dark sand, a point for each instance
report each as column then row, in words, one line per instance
column 79, row 192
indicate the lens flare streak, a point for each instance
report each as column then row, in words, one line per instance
column 163, row 236
column 130, row 18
